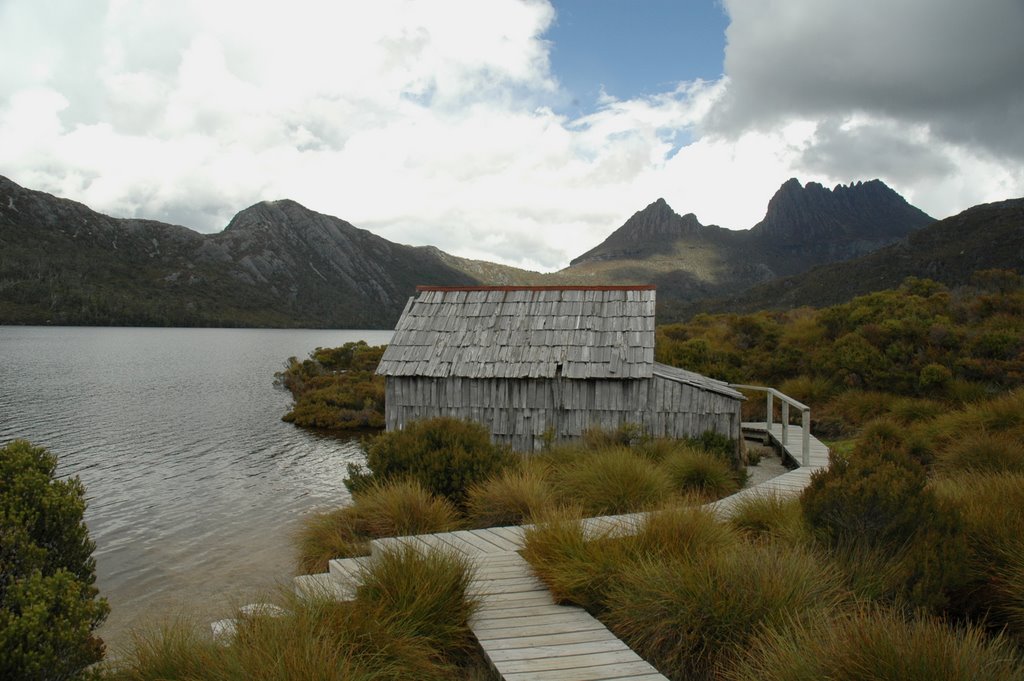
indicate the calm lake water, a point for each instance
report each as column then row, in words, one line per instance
column 194, row 483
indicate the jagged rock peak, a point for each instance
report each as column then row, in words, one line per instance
column 658, row 219
column 858, row 210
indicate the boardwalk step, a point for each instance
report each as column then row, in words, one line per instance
column 323, row 585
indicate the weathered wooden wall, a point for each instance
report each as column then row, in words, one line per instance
column 520, row 411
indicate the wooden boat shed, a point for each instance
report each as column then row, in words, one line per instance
column 532, row 362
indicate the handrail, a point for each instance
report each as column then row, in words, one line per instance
column 805, row 417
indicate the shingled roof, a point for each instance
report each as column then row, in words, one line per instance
column 525, row 332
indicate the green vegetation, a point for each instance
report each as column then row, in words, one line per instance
column 48, row 605
column 445, row 455
column 443, row 474
column 336, row 388
column 911, row 353
column 409, row 620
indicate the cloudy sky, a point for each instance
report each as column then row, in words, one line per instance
column 521, row 131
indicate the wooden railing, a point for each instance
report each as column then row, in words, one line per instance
column 787, row 401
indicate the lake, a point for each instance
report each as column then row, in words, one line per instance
column 194, row 483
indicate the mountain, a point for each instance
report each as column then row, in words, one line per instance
column 804, row 226
column 988, row 236
column 276, row 264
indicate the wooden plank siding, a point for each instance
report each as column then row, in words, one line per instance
column 520, row 412
column 531, row 361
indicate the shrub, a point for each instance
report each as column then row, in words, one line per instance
column 878, row 497
column 875, row 645
column 445, row 455
column 510, row 498
column 48, row 605
column 687, row 618
column 701, row 473
column 613, row 481
column 625, row 435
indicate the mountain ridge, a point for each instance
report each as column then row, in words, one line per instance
column 278, row 263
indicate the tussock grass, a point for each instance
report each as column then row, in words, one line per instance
column 577, row 568
column 984, row 452
column 381, row 510
column 770, row 516
column 701, row 473
column 688, row 617
column 409, row 622
column 679, row 532
column 403, row 507
column 332, row 534
column 875, row 645
column 424, row 595
column 992, row 508
column 612, row 481
column 510, row 498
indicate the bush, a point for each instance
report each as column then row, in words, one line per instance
column 48, row 605
column 876, row 645
column 688, row 617
column 877, row 497
column 445, row 455
column 613, row 481
column 510, row 498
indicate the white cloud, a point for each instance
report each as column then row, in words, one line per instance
column 430, row 123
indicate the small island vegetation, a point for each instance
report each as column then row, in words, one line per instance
column 335, row 389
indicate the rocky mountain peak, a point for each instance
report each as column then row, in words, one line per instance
column 862, row 210
column 650, row 230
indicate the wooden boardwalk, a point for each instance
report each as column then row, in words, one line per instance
column 523, row 633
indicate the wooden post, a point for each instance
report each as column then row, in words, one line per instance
column 805, row 421
column 785, row 422
column 771, row 409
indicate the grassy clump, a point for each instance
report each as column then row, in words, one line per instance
column 875, row 645
column 688, row 616
column 398, row 508
column 982, row 451
column 613, row 481
column 577, row 568
column 702, row 473
column 409, row 621
column 510, row 498
column 769, row 516
column 445, row 455
column 992, row 507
